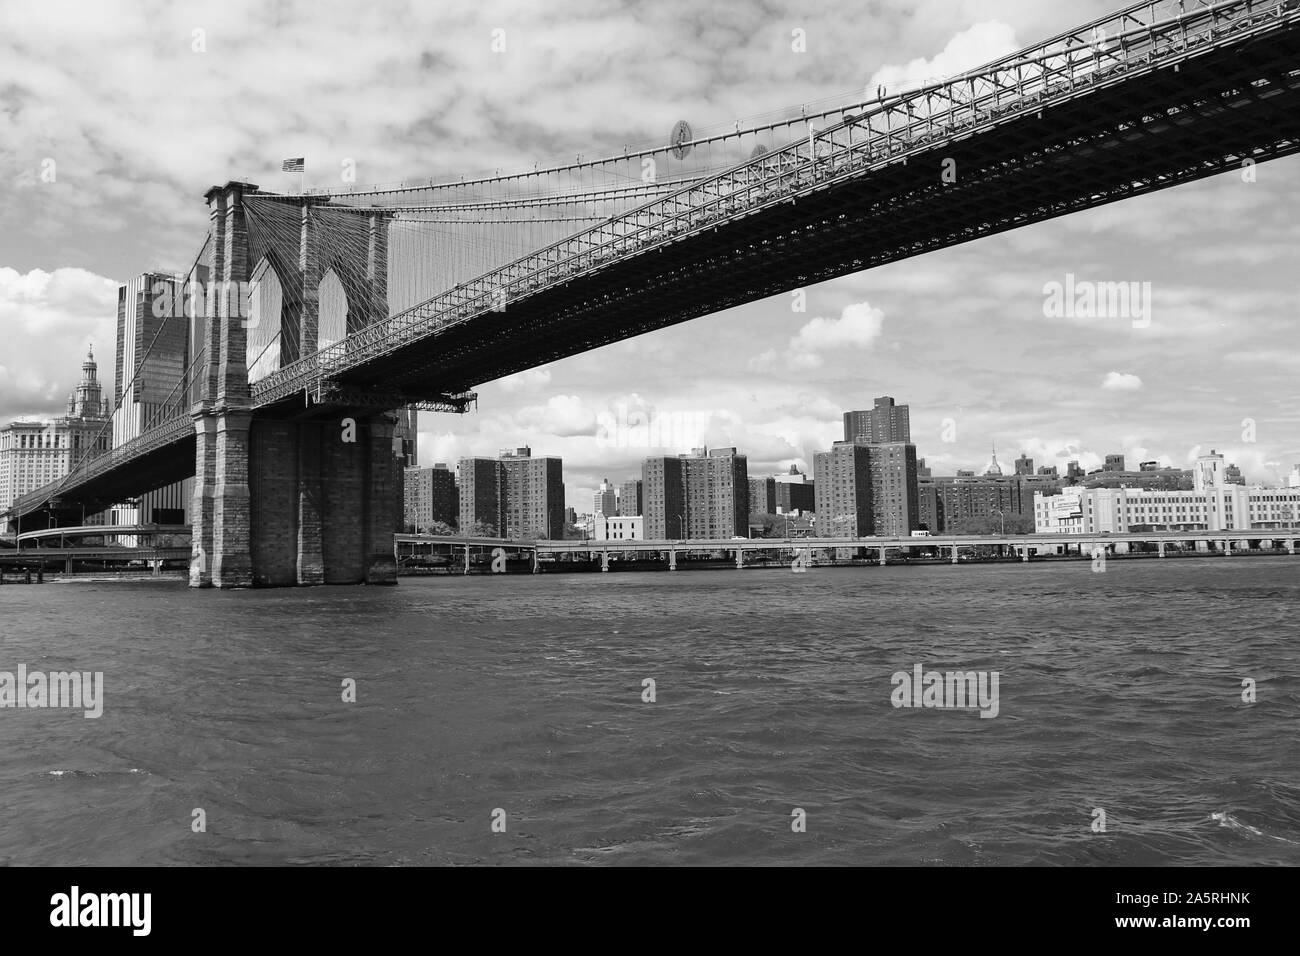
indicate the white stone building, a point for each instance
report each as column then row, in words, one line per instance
column 618, row 528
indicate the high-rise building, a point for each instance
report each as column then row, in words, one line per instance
column 895, row 509
column 513, row 496
column 482, row 495
column 1024, row 465
column 605, row 500
column 794, row 492
column 1072, row 471
column 664, row 498
column 35, row 453
column 630, row 498
column 429, row 496
column 701, row 495
column 1114, row 463
column 1048, row 470
column 843, row 491
column 762, row 496
column 534, row 495
column 405, row 438
column 885, row 422
column 1293, row 479
column 717, row 493
column 153, row 354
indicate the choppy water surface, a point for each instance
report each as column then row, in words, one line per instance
column 1119, row 691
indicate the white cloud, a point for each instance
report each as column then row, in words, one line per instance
column 1121, row 382
column 858, row 327
column 970, row 48
column 562, row 415
column 527, row 380
column 47, row 320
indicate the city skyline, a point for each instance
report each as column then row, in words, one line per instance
column 963, row 335
column 617, row 486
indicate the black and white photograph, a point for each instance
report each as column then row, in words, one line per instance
column 651, row 435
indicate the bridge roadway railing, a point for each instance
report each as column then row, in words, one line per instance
column 168, row 423
column 165, row 433
column 1137, row 39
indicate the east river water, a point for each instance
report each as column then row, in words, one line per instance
column 521, row 699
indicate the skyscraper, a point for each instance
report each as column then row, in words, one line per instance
column 884, row 422
column 1024, row 465
column 482, row 497
column 406, row 436
column 866, row 489
column 794, row 492
column 701, row 495
column 429, row 496
column 1114, row 462
column 153, row 354
column 762, row 496
column 534, row 495
column 604, row 501
column 664, row 498
column 717, row 493
column 843, row 491
column 630, row 498
column 894, row 498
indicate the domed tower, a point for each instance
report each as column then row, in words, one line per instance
column 87, row 401
column 994, row 468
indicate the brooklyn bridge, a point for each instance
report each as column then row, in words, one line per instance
column 286, row 421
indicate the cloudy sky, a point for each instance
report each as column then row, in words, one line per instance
column 134, row 110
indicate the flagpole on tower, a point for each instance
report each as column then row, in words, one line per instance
column 297, row 165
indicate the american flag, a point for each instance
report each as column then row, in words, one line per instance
column 292, row 165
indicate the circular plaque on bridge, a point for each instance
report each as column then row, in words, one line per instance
column 680, row 139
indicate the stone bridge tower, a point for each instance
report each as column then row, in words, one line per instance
column 298, row 492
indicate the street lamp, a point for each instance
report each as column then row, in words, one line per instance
column 998, row 512
column 681, row 528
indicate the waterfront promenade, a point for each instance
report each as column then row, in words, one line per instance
column 747, row 552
